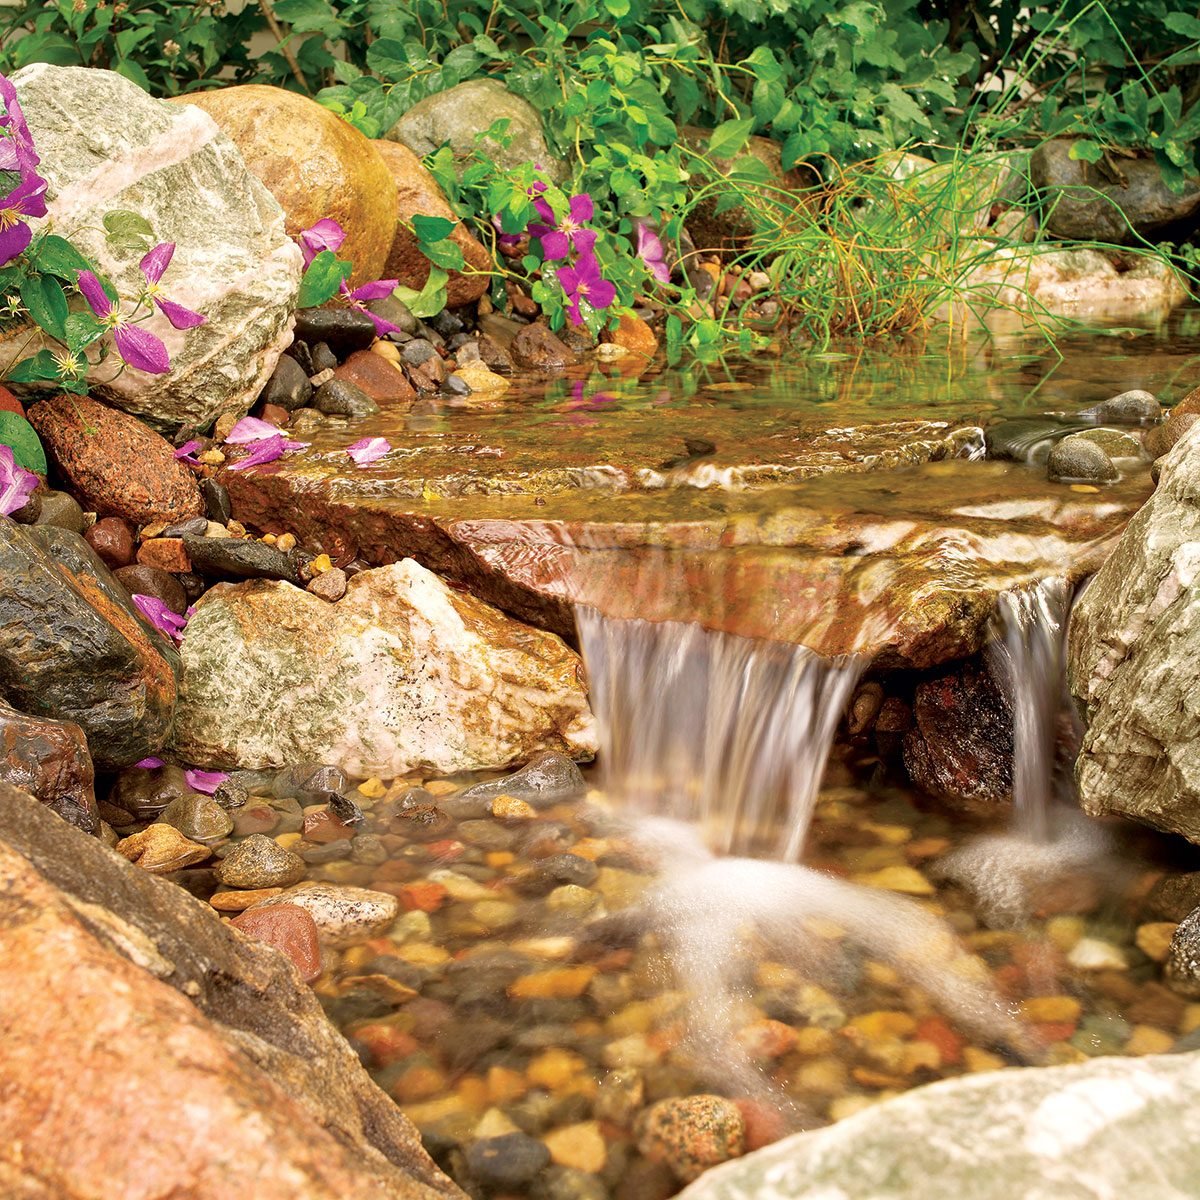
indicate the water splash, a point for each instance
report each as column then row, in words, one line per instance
column 710, row 727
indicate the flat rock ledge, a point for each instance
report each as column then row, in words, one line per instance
column 177, row 1057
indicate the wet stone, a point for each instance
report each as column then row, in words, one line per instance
column 233, row 558
column 194, row 526
column 329, row 585
column 418, row 351
column 323, row 361
column 142, row 580
column 216, row 500
column 1024, row 439
column 344, row 914
column 339, row 398
column 397, row 312
column 343, row 330
column 259, row 861
column 112, row 540
column 1115, row 443
column 376, row 377
column 546, row 780
column 1182, row 971
column 288, row 386
column 1161, row 438
column 1135, row 407
column 144, row 794
column 61, row 510
column 198, row 817
column 537, row 349
column 1074, row 461
column 161, row 849
column 547, row 874
column 310, row 783
column 509, row 1161
column 289, row 929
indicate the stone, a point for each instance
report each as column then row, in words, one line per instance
column 60, row 510
column 150, row 581
column 161, row 849
column 112, row 541
column 634, row 335
column 1161, row 438
column 458, row 115
column 314, row 163
column 581, row 1147
column 291, row 930
column 1075, row 461
column 74, row 648
column 145, row 792
column 1135, row 407
column 170, row 1013
column 343, row 915
column 198, row 817
column 337, row 397
column 1182, row 970
column 961, row 747
column 1173, row 897
column 537, row 349
column 1115, row 201
column 480, row 380
column 237, row 558
column 258, row 862
column 172, row 167
column 216, row 501
column 1116, row 443
column 117, row 465
column 288, row 387
column 164, row 554
column 1134, row 661
column 418, row 193
column 376, row 683
column 49, row 759
column 546, row 780
column 375, row 377
column 692, row 1134
column 342, row 329
column 508, row 1161
column 329, row 585
column 1154, row 939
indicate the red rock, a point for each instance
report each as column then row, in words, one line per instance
column 447, row 850
column 764, row 1125
column 116, row 465
column 1049, row 1032
column 938, row 1033
column 9, row 403
column 289, row 928
column 422, row 896
column 166, row 554
column 50, row 760
column 377, row 377
column 112, row 539
column 323, row 827
column 275, row 414
column 634, row 335
column 386, row 1043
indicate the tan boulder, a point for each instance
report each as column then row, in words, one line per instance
column 418, row 193
column 315, row 164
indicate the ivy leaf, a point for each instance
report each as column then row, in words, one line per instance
column 46, row 301
column 430, row 300
column 126, row 230
column 387, row 58
column 431, row 229
column 82, row 329
column 1184, row 24
column 56, row 256
column 20, row 437
column 38, row 369
column 1085, row 150
column 729, row 137
column 322, row 279
column 444, row 254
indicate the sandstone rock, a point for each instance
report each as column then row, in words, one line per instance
column 1161, row 438
column 402, row 674
column 1123, row 201
column 1134, row 661
column 315, row 165
column 150, row 581
column 116, row 464
column 418, row 194
column 259, row 862
column 634, row 335
column 161, row 849
column 49, row 760
column 458, row 115
column 73, row 647
column 171, row 166
column 343, row 915
column 1076, row 461
column 377, row 378
column 995, row 1136
column 162, row 1013
column 537, row 349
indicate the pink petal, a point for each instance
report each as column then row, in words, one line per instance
column 205, row 781
column 94, row 294
column 180, row 317
column 368, row 450
column 16, row 483
column 149, row 764
column 374, row 291
column 13, row 241
column 602, row 294
column 141, row 349
column 581, row 208
column 585, row 240
column 264, row 452
column 188, row 448
column 326, row 234
column 382, row 325
column 252, row 429
column 160, row 616
column 555, row 245
column 156, row 261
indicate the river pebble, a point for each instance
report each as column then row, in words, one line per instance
column 344, row 915
column 260, row 862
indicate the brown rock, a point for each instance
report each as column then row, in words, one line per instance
column 115, row 464
column 241, row 900
column 50, row 760
column 164, row 554
column 315, row 164
column 418, row 194
column 162, row 1012
column 150, row 581
column 380, row 379
column 634, row 335
column 288, row 928
column 9, row 403
column 1161, row 438
column 323, row 827
column 692, row 1133
column 329, row 585
column 161, row 849
column 536, row 348
column 275, row 414
column 112, row 539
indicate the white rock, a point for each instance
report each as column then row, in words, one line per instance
column 342, row 914
column 1091, row 954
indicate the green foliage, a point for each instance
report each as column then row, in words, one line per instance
column 20, row 436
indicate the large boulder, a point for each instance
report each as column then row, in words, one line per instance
column 178, row 1058
column 173, row 168
column 49, row 759
column 73, row 647
column 1123, row 201
column 1134, row 662
column 401, row 674
column 457, row 116
column 1105, row 1128
column 315, row 164
column 418, row 194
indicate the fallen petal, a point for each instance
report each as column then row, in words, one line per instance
column 205, row 781
column 368, row 450
column 265, row 451
column 160, row 616
column 251, row 429
column 149, row 764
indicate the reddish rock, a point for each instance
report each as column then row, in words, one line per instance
column 112, row 539
column 9, row 403
column 288, row 928
column 150, row 581
column 164, row 554
column 275, row 414
column 1161, row 438
column 115, row 464
column 323, row 827
column 418, row 193
column 50, row 760
column 634, row 335
column 376, row 376
column 692, row 1133
column 422, row 896
column 537, row 349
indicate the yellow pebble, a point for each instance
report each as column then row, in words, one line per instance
column 499, row 858
column 563, row 983
column 423, row 954
column 473, row 1092
column 1154, row 939
column 319, row 566
column 505, row 1085
column 510, row 808
column 978, row 1061
column 814, row 1040
column 1190, row 1021
column 1051, row 1009
column 1084, row 488
column 288, row 840
column 285, row 541
column 579, row 1146
column 268, row 538
column 440, row 787
column 906, row 880
column 1064, row 932
column 883, row 1024
column 554, row 1069
column 1145, row 1039
column 357, row 956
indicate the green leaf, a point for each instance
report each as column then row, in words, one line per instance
column 430, row 300
column 617, row 8
column 38, row 369
column 322, row 279
column 729, row 137
column 388, row 58
column 56, row 256
column 444, row 254
column 82, row 329
column 1183, row 23
column 46, row 301
column 1085, row 150
column 432, row 229
column 19, row 435
column 127, row 230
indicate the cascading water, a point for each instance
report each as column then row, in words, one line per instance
column 710, row 727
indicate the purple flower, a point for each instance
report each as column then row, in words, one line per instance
column 205, row 781
column 583, row 282
column 153, row 265
column 267, row 450
column 650, row 251
column 368, row 450
column 136, row 346
column 27, row 199
column 372, row 291
column 326, row 234
column 251, row 429
column 17, row 151
column 569, row 234
column 160, row 616
column 149, row 764
column 16, row 483
column 187, row 452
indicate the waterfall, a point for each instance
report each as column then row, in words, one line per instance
column 710, row 727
